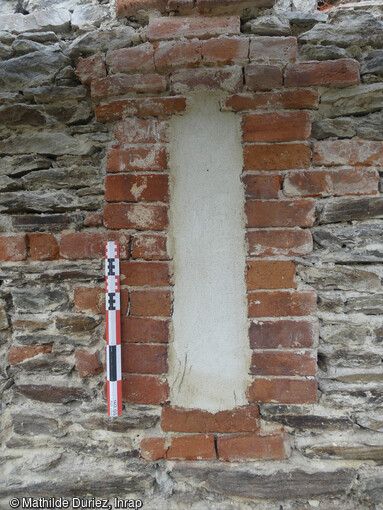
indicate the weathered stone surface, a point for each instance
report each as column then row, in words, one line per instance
column 71, row 114
column 30, row 201
column 349, row 358
column 347, row 29
column 332, row 211
column 24, row 46
column 41, row 37
column 56, row 20
column 59, row 178
column 88, row 15
column 46, row 364
column 369, row 305
column 35, row 299
column 370, row 420
column 268, row 25
column 5, row 51
column 19, row 165
column 368, row 127
column 52, row 143
column 343, row 332
column 103, row 40
column 341, row 278
column 53, row 394
column 133, row 419
column 248, row 483
column 33, row 69
column 352, row 100
column 372, row 63
column 33, row 424
column 19, row 114
column 311, row 52
column 76, row 324
column 40, row 223
column 4, row 324
column 53, row 94
column 354, row 448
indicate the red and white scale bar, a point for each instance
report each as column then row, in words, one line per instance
column 113, row 328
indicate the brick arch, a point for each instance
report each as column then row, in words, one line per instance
column 138, row 90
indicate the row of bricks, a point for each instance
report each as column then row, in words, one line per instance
column 232, row 79
column 294, row 99
column 152, row 359
column 313, row 183
column 229, row 448
column 80, row 245
column 130, row 8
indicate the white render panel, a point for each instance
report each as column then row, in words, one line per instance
column 209, row 356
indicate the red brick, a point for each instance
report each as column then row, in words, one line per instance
column 19, row 354
column 192, row 447
column 124, row 297
column 129, row 8
column 341, row 73
column 150, row 303
column 279, row 242
column 119, row 84
column 348, row 152
column 271, row 49
column 325, row 183
column 91, row 246
column 283, row 213
column 262, row 186
column 144, row 389
column 143, row 330
column 180, row 6
column 287, row 99
column 228, row 79
column 279, row 303
column 263, row 77
column 132, row 159
column 86, row 363
column 13, row 247
column 284, row 363
column 250, row 447
column 140, row 107
column 225, row 50
column 282, row 333
column 153, row 448
column 141, row 131
column 93, row 220
column 89, row 300
column 241, row 419
column 270, row 274
column 144, row 359
column 136, row 188
column 90, row 68
column 281, row 156
column 276, row 127
column 149, row 247
column 136, row 216
column 130, row 60
column 283, row 390
column 43, row 247
column 225, row 6
column 176, row 27
column 155, row 274
column 172, row 54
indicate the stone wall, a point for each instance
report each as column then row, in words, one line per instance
column 56, row 437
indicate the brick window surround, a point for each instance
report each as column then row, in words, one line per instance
column 137, row 90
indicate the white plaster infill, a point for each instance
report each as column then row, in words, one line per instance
column 209, row 356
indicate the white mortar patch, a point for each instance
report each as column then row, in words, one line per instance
column 209, row 357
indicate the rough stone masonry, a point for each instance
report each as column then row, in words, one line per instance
column 87, row 92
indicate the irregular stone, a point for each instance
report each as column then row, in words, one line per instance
column 31, row 201
column 346, row 332
column 39, row 338
column 369, row 305
column 18, row 165
column 348, row 450
column 76, row 324
column 133, row 419
column 88, row 15
column 56, row 20
column 368, row 127
column 253, row 483
column 33, row 424
column 268, row 25
column 5, row 51
column 347, row 209
column 372, row 63
column 303, row 18
column 10, row 97
column 304, row 419
column 53, row 94
column 352, row 100
column 360, row 30
column 4, row 324
column 35, row 299
column 348, row 237
column 8, row 184
column 370, row 420
column 52, row 143
column 341, row 278
column 34, row 69
column 349, row 358
column 58, row 178
column 19, row 114
column 52, row 394
column 103, row 40
column 47, row 363
column 24, row 46
column 43, row 462
column 40, row 223
column 311, row 52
